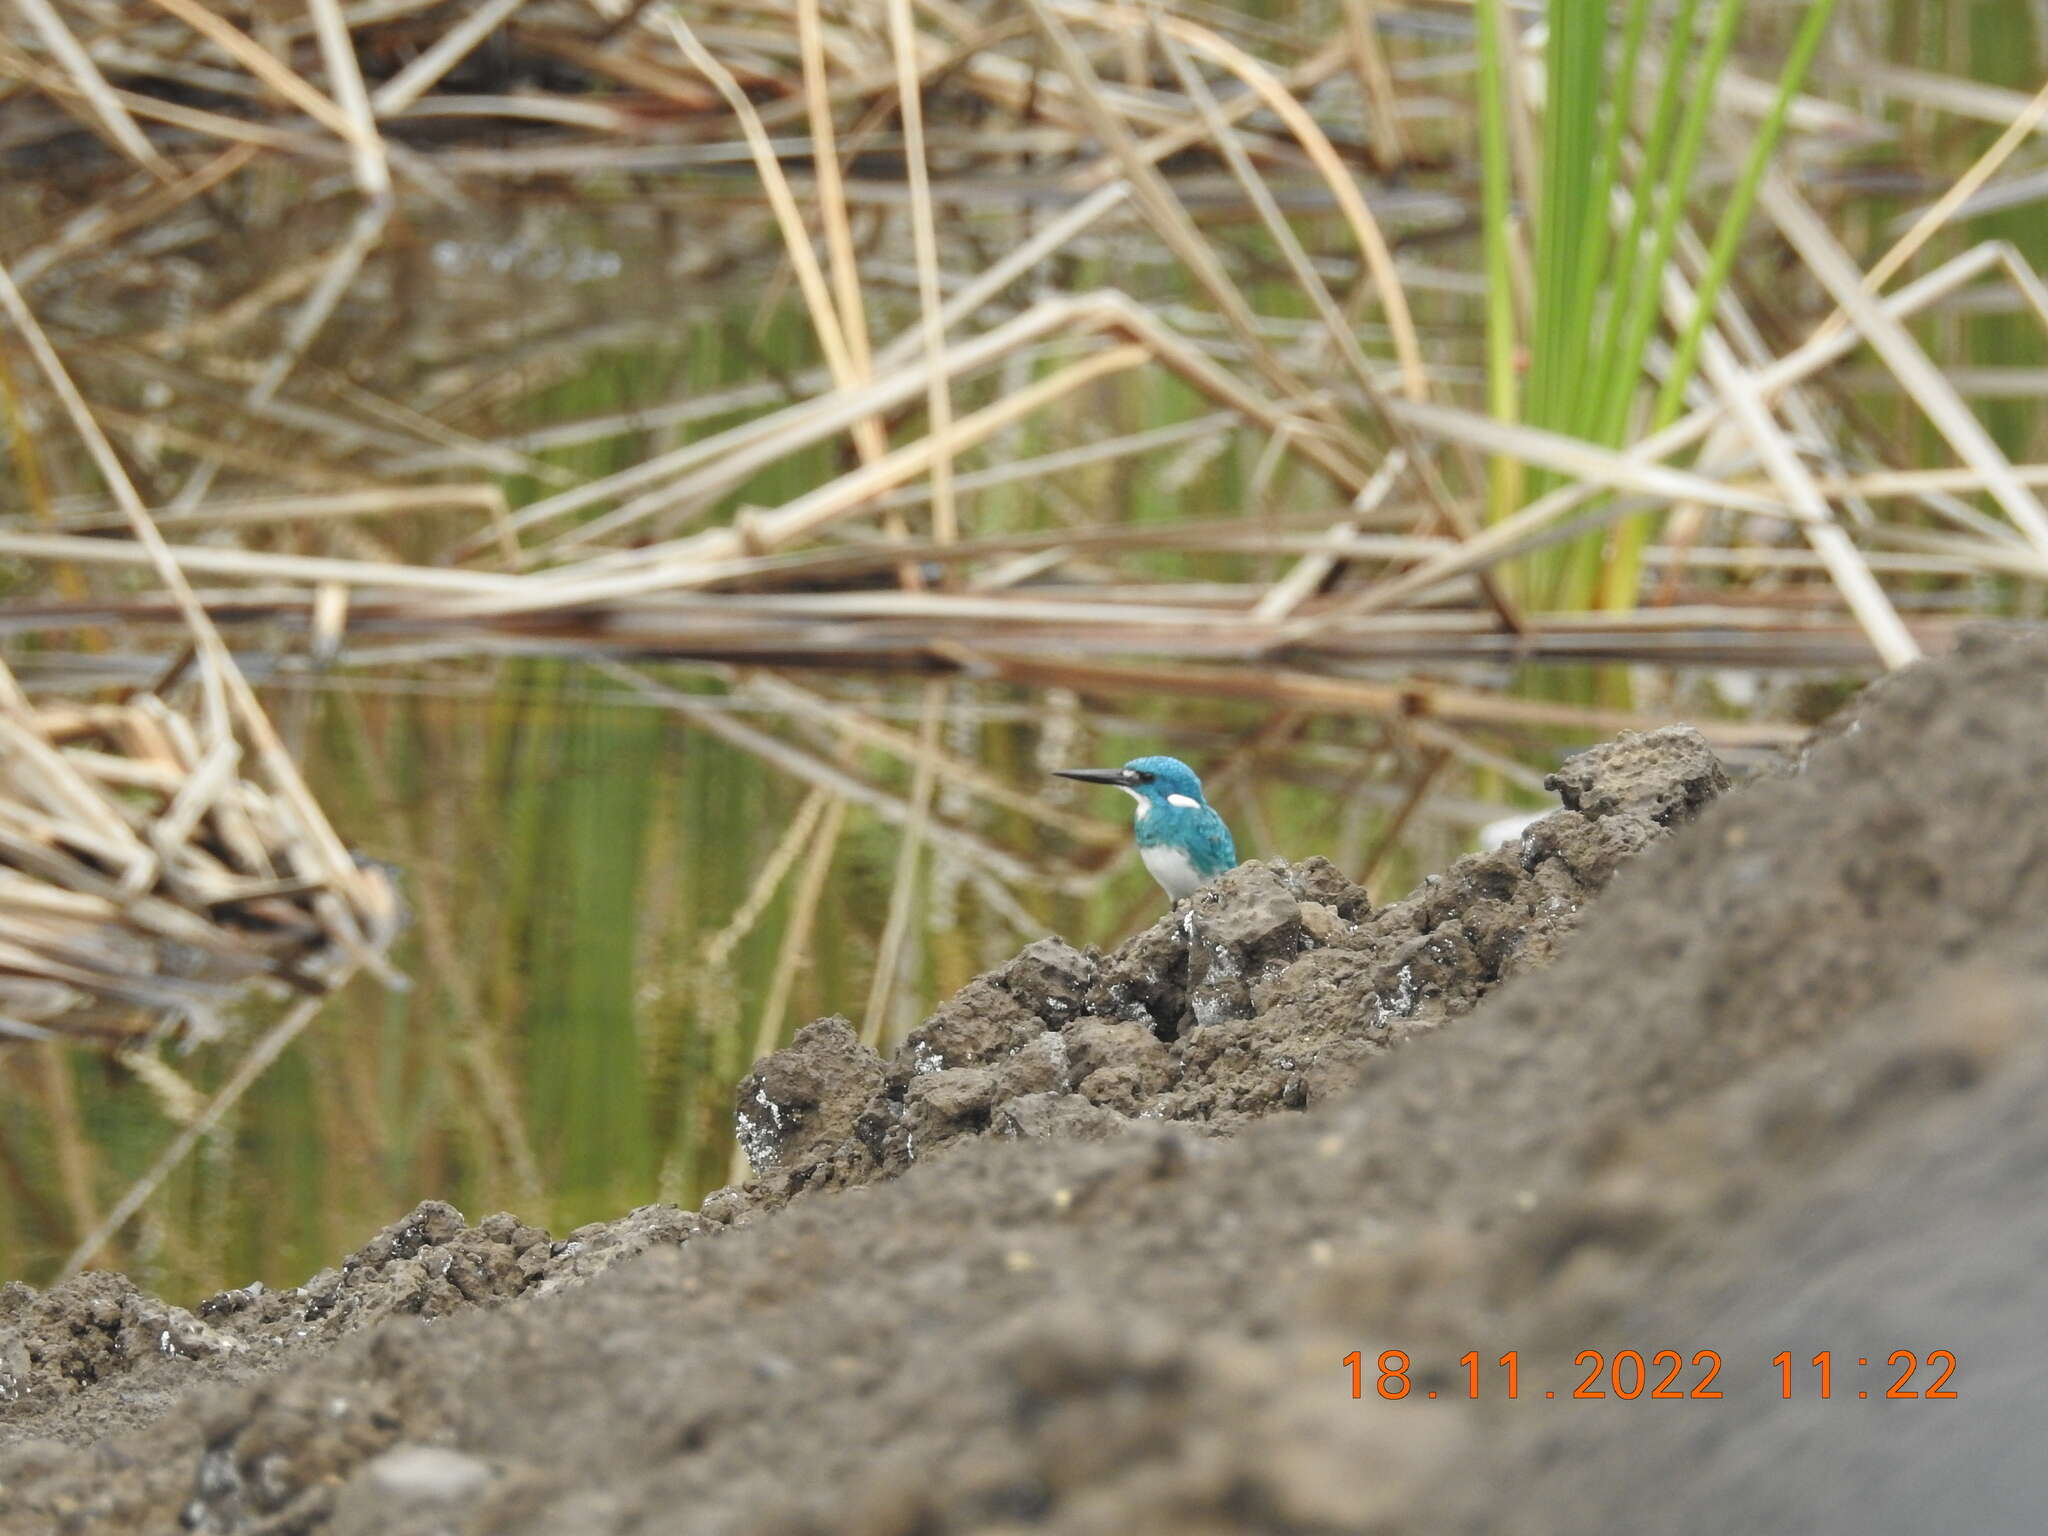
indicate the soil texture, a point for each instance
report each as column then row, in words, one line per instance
column 1739, row 1076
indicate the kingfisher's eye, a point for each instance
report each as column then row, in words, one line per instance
column 1144, row 777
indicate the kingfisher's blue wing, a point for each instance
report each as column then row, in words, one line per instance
column 1210, row 848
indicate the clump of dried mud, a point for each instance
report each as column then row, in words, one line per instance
column 1088, row 1253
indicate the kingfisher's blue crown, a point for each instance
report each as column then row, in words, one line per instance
column 1164, row 776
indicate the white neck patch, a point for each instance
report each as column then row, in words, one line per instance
column 1185, row 802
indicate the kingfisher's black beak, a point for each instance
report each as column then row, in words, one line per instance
column 1122, row 776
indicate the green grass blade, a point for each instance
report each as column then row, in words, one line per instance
column 1624, row 570
column 1504, row 475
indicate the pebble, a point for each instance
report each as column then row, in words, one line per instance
column 428, row 1473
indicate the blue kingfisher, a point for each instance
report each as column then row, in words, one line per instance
column 1182, row 841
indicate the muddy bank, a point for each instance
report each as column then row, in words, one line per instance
column 1268, row 990
column 1087, row 1254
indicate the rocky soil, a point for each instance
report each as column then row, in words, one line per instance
column 1686, row 1069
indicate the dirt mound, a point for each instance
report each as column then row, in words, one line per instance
column 1268, row 990
column 1778, row 1094
column 99, row 1328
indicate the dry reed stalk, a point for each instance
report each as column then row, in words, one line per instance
column 1860, row 589
column 433, row 62
column 925, row 241
column 259, row 564
column 388, row 581
column 1039, row 466
column 1981, row 556
column 261, row 63
column 656, row 568
column 1322, row 154
column 726, row 457
column 896, row 931
column 826, row 321
column 1318, row 694
column 345, row 77
column 379, row 501
column 1338, row 325
column 1765, row 558
column 1965, row 98
column 1933, row 393
column 1376, row 82
column 1937, row 214
column 843, row 784
column 227, row 700
column 1190, row 130
column 852, row 306
column 855, row 725
column 117, row 481
column 1170, row 219
column 1499, row 540
column 113, row 116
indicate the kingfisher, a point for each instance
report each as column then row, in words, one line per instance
column 1181, row 839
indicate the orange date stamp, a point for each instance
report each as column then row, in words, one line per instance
column 1667, row 1374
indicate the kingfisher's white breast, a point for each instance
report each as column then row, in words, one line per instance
column 1172, row 868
